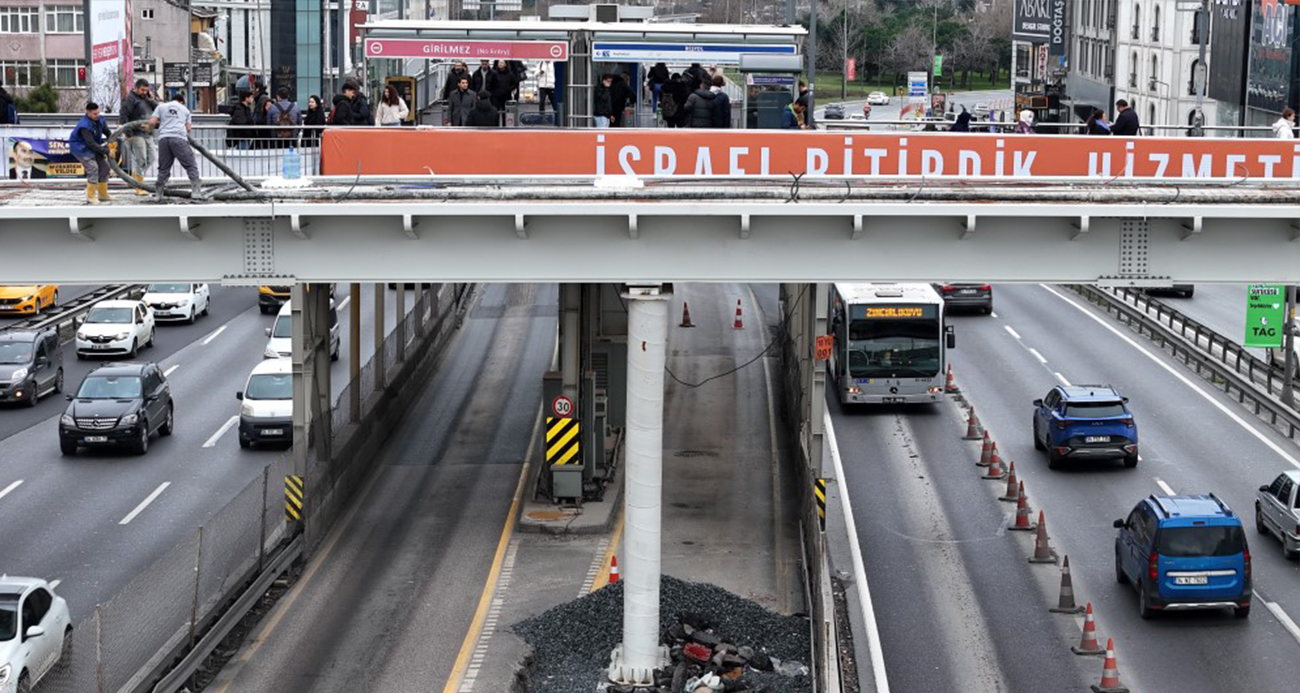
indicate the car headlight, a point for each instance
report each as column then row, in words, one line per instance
column 66, row 420
column 129, row 420
column 121, row 335
column 4, row 674
column 19, row 374
column 270, row 353
column 183, row 302
column 246, row 409
column 82, row 336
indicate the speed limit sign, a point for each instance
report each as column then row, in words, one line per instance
column 562, row 407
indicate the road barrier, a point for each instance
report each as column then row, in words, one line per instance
column 65, row 316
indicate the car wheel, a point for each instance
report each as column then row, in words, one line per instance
column 245, row 443
column 1130, row 461
column 264, row 310
column 169, row 424
column 58, row 382
column 334, row 356
column 1144, row 604
column 65, row 651
column 142, row 445
column 24, row 683
column 34, row 398
column 1241, row 612
column 1038, row 441
column 135, row 349
column 37, row 309
column 153, row 334
column 55, row 301
column 206, row 306
column 68, row 448
column 1120, row 577
column 1053, row 459
column 1260, row 525
column 194, row 315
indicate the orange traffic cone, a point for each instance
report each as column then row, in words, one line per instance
column 613, row 569
column 1088, row 645
column 1042, row 550
column 1013, row 492
column 740, row 322
column 951, row 386
column 1065, row 604
column 995, row 471
column 1109, row 672
column 1022, row 523
column 974, row 431
column 686, row 315
column 986, row 452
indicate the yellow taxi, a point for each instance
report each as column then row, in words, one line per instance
column 27, row 300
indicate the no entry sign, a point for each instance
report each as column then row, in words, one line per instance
column 466, row 49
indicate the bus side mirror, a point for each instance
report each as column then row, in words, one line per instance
column 950, row 337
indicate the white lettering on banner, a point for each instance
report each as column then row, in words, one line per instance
column 1234, row 160
column 1193, row 169
column 1162, row 163
column 1269, row 161
column 1104, row 171
column 931, row 163
column 902, row 156
column 703, row 162
column 875, row 155
column 763, row 168
column 1295, row 162
column 600, row 155
column 999, row 159
column 736, row 153
column 665, row 161
column 968, row 163
column 628, row 152
column 818, row 162
column 1024, row 164
column 1129, row 159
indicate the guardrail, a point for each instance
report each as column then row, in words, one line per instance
column 1007, row 127
column 1231, row 368
column 64, row 316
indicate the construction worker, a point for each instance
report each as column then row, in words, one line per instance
column 89, row 144
column 172, row 122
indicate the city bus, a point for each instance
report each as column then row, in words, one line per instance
column 890, row 343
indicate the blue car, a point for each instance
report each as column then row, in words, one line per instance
column 1085, row 422
column 1184, row 552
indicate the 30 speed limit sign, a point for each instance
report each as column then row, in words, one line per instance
column 562, row 407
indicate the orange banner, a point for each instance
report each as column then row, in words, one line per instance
column 741, row 153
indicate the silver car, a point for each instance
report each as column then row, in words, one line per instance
column 1277, row 511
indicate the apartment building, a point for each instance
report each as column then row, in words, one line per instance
column 1157, row 65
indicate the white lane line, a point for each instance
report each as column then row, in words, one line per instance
column 145, row 503
column 1037, row 355
column 993, row 314
column 1184, row 379
column 221, row 431
column 860, row 572
column 344, row 303
column 1011, row 331
column 11, row 487
column 171, row 370
column 1169, row 490
column 54, row 584
column 216, row 333
column 1282, row 616
column 1062, row 379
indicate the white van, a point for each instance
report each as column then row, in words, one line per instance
column 280, row 342
column 266, row 412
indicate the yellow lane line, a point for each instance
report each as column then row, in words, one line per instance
column 602, row 578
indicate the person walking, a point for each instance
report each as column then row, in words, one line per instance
column 502, row 86
column 672, row 102
column 962, row 124
column 721, row 102
column 173, row 122
column 284, row 115
column 239, row 132
column 140, row 148
column 1284, row 128
column 358, row 105
column 484, row 114
column 792, row 118
column 805, row 97
column 392, row 110
column 483, row 77
column 460, row 103
column 620, row 95
column 1126, row 121
column 602, row 101
column 546, row 86
column 313, row 121
column 89, row 144
column 1097, row 123
column 700, row 107
column 1025, row 126
column 453, row 78
column 657, row 78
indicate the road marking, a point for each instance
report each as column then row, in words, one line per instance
column 216, row 333
column 1013, row 332
column 10, row 488
column 343, row 304
column 1062, row 379
column 1169, row 490
column 1282, row 616
column 221, row 431
column 993, row 314
column 54, row 584
column 1184, row 379
column 1037, row 355
column 602, row 575
column 171, row 370
column 145, row 503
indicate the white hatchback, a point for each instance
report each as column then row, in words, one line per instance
column 115, row 328
column 177, row 301
column 878, row 98
column 35, row 632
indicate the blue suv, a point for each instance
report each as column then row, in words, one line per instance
column 1184, row 552
column 1085, row 422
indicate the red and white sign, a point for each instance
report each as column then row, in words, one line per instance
column 466, row 49
column 562, row 407
column 851, row 67
column 104, row 51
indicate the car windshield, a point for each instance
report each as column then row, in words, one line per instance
column 1094, row 410
column 283, row 327
column 110, row 387
column 8, row 617
column 270, row 386
column 1225, row 540
column 169, row 288
column 15, row 353
column 894, row 348
column 105, row 314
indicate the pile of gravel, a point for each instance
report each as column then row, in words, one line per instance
column 572, row 642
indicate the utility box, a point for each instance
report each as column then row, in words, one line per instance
column 566, row 481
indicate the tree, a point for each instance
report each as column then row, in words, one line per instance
column 40, row 98
column 909, row 50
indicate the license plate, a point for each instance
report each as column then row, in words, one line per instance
column 1097, row 439
column 893, row 400
column 1191, row 580
column 96, row 439
column 100, row 347
column 966, row 291
column 272, row 431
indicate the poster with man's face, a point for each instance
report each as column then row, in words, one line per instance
column 31, row 158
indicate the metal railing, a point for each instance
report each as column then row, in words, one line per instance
column 66, row 316
column 1042, row 128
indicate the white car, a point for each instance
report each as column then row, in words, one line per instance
column 116, row 328
column 177, row 301
column 280, row 342
column 35, row 632
column 266, row 412
column 878, row 98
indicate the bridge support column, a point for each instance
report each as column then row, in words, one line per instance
column 380, row 319
column 354, row 353
column 635, row 659
column 570, row 339
column 311, row 383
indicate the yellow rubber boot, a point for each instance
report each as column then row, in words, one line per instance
column 140, row 191
column 103, row 193
column 90, row 194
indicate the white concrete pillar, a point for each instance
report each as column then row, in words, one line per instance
column 635, row 660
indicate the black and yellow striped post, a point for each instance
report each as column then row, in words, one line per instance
column 819, row 493
column 564, row 455
column 293, row 496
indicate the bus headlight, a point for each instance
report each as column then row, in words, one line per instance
column 854, row 390
column 935, row 389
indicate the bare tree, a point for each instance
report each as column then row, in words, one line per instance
column 910, row 50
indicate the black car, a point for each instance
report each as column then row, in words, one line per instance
column 976, row 296
column 31, row 365
column 118, row 405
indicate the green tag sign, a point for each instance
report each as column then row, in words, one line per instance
column 1265, row 315
column 938, row 65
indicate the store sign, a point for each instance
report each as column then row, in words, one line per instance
column 1032, row 21
column 466, row 49
column 174, row 74
column 1057, row 39
column 703, row 53
column 1268, row 76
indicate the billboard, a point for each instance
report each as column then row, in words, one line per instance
column 1057, row 40
column 1032, row 21
column 1268, row 75
column 1230, row 28
column 38, row 158
column 112, row 64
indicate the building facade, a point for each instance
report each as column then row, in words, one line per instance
column 1158, row 67
column 42, row 39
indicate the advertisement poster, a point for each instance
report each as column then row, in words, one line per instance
column 1269, row 74
column 112, row 66
column 1032, row 21
column 31, row 158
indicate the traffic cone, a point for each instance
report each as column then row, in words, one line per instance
column 1065, row 604
column 613, row 569
column 995, row 471
column 994, row 457
column 974, row 431
column 1042, row 551
column 986, row 452
column 740, row 322
column 1022, row 523
column 1109, row 672
column 951, row 386
column 686, row 315
column 1088, row 645
column 1013, row 492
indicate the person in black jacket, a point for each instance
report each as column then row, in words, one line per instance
column 501, row 86
column 484, row 114
column 314, row 120
column 1126, row 122
column 602, row 101
column 359, row 106
column 673, row 101
column 238, row 134
column 721, row 102
column 341, row 111
column 693, row 76
column 6, row 103
column 700, row 106
column 453, row 79
column 140, row 147
column 482, row 78
column 620, row 95
column 657, row 78
column 460, row 104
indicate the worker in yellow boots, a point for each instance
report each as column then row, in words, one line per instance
column 89, row 143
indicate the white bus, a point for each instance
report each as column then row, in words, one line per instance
column 890, row 343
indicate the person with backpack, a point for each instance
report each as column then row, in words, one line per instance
column 672, row 100
column 657, row 78
column 284, row 115
column 721, row 102
column 484, row 115
column 700, row 108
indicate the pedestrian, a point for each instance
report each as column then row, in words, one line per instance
column 173, row 122
column 1126, row 121
column 392, row 110
column 694, row 77
column 8, row 110
column 453, row 79
column 89, row 144
column 1025, row 126
column 620, row 95
column 1097, row 123
column 792, row 118
column 806, row 98
column 260, row 102
column 314, row 120
column 460, row 103
column 602, row 102
column 672, row 102
column 962, row 124
column 657, row 78
column 1284, row 128
column 546, row 86
column 502, row 86
column 284, row 115
column 484, row 115
column 721, row 102
column 358, row 106
column 140, row 148
column 700, row 107
column 482, row 77
column 238, row 131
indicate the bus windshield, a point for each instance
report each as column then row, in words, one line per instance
column 895, row 347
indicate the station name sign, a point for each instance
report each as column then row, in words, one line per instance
column 458, row 49
column 747, row 154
